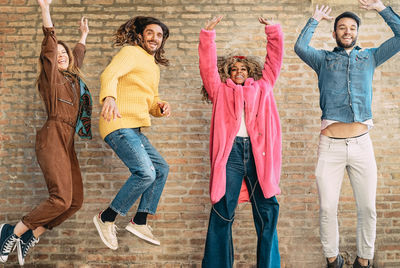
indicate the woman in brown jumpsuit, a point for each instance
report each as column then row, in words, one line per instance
column 68, row 105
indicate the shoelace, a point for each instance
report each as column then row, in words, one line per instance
column 114, row 228
column 31, row 243
column 10, row 243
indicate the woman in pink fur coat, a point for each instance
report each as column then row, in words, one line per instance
column 245, row 145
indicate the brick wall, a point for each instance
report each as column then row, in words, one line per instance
column 182, row 216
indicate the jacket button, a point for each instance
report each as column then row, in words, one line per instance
column 263, row 153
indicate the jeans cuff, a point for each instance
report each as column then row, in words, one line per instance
column 146, row 211
column 117, row 210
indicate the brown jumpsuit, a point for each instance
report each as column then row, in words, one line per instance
column 55, row 140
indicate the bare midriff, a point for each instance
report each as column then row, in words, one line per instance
column 345, row 130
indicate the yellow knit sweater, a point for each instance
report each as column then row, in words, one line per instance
column 132, row 79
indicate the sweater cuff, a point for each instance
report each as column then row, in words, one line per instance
column 270, row 29
column 48, row 30
column 207, row 35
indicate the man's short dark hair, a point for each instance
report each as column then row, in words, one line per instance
column 347, row 14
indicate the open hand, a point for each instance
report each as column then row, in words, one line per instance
column 212, row 23
column 84, row 26
column 265, row 21
column 44, row 3
column 372, row 4
column 322, row 13
column 110, row 109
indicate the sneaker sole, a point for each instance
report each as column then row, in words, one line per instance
column 21, row 260
column 141, row 236
column 5, row 257
column 101, row 234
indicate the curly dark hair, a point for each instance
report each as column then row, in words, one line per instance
column 225, row 64
column 128, row 33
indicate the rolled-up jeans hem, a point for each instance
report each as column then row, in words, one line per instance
column 118, row 211
column 146, row 211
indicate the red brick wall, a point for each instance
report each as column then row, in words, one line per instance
column 182, row 216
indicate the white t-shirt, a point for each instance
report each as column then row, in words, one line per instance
column 242, row 130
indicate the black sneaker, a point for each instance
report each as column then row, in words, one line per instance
column 26, row 242
column 338, row 263
column 356, row 264
column 7, row 241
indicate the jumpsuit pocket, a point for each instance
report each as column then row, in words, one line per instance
column 65, row 101
column 41, row 138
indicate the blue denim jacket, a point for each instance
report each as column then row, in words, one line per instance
column 345, row 81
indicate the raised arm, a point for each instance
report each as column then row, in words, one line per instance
column 208, row 58
column 48, row 54
column 273, row 60
column 84, row 29
column 308, row 54
column 79, row 50
column 391, row 46
column 45, row 7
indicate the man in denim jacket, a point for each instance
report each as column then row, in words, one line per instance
column 345, row 84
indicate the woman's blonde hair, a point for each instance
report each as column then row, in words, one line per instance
column 225, row 65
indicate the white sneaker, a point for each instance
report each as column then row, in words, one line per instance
column 143, row 232
column 107, row 231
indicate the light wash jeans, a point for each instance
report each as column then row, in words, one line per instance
column 356, row 155
column 149, row 171
column 218, row 252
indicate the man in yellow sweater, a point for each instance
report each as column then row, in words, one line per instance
column 129, row 94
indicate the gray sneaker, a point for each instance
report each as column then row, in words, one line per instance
column 107, row 231
column 142, row 231
column 8, row 241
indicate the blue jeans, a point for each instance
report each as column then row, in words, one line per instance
column 149, row 171
column 219, row 247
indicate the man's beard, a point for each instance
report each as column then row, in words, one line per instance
column 340, row 44
column 147, row 49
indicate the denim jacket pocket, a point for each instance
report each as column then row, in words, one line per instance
column 362, row 61
column 334, row 63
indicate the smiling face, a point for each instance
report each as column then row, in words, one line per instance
column 239, row 73
column 152, row 38
column 62, row 58
column 346, row 33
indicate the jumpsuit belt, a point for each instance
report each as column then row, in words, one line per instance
column 63, row 120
